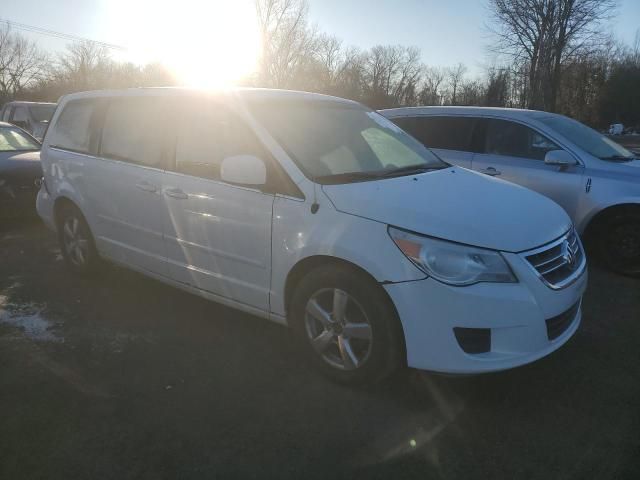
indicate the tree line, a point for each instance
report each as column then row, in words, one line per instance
column 550, row 55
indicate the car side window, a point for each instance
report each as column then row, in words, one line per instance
column 516, row 140
column 405, row 123
column 72, row 130
column 6, row 113
column 207, row 134
column 135, row 130
column 20, row 117
column 442, row 132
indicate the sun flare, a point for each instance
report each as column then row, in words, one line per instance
column 211, row 43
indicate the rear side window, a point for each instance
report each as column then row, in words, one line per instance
column 516, row 140
column 447, row 133
column 405, row 123
column 207, row 134
column 72, row 131
column 20, row 115
column 135, row 131
column 5, row 113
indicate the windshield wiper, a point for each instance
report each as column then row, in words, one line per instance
column 347, row 177
column 409, row 170
column 377, row 174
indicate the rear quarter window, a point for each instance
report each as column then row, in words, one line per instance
column 72, row 131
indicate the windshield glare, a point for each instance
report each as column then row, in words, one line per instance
column 13, row 140
column 42, row 113
column 336, row 142
column 586, row 138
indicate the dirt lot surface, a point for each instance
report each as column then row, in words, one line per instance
column 121, row 377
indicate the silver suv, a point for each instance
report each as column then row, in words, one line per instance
column 593, row 178
column 30, row 116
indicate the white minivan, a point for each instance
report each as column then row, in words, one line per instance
column 319, row 213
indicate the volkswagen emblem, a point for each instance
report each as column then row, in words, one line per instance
column 568, row 256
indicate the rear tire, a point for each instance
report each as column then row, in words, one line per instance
column 76, row 241
column 347, row 325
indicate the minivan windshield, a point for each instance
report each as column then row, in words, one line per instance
column 334, row 142
column 587, row 139
column 42, row 113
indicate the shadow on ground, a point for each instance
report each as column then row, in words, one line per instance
column 122, row 377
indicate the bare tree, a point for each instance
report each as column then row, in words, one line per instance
column 351, row 74
column 433, row 78
column 287, row 40
column 455, row 76
column 392, row 73
column 497, row 89
column 85, row 65
column 542, row 34
column 405, row 86
column 22, row 63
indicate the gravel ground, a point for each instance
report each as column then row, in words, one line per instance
column 122, row 377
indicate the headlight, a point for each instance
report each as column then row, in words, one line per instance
column 450, row 262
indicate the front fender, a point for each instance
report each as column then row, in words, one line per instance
column 299, row 234
column 601, row 206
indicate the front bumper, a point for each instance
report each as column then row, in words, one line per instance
column 17, row 201
column 516, row 315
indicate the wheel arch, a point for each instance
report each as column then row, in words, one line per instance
column 595, row 222
column 59, row 204
column 306, row 265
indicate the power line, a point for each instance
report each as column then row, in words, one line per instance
column 54, row 34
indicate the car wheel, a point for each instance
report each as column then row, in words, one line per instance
column 619, row 242
column 76, row 242
column 347, row 325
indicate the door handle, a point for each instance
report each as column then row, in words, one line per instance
column 176, row 193
column 147, row 187
column 492, row 172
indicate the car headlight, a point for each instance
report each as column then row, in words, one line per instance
column 452, row 263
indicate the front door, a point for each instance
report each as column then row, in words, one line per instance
column 515, row 152
column 218, row 235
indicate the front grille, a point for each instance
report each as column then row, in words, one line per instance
column 559, row 263
column 557, row 325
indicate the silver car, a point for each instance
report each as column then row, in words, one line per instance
column 33, row 117
column 596, row 180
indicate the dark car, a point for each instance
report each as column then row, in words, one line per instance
column 20, row 171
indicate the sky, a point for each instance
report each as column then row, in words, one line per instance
column 447, row 32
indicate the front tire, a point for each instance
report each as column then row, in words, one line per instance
column 347, row 325
column 618, row 242
column 76, row 241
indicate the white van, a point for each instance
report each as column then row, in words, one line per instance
column 318, row 213
column 616, row 129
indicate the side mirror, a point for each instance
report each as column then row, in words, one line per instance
column 559, row 158
column 244, row 170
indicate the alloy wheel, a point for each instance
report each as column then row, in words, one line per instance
column 75, row 241
column 338, row 329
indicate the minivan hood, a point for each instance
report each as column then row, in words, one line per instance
column 458, row 205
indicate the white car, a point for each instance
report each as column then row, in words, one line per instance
column 318, row 213
column 616, row 129
column 596, row 180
